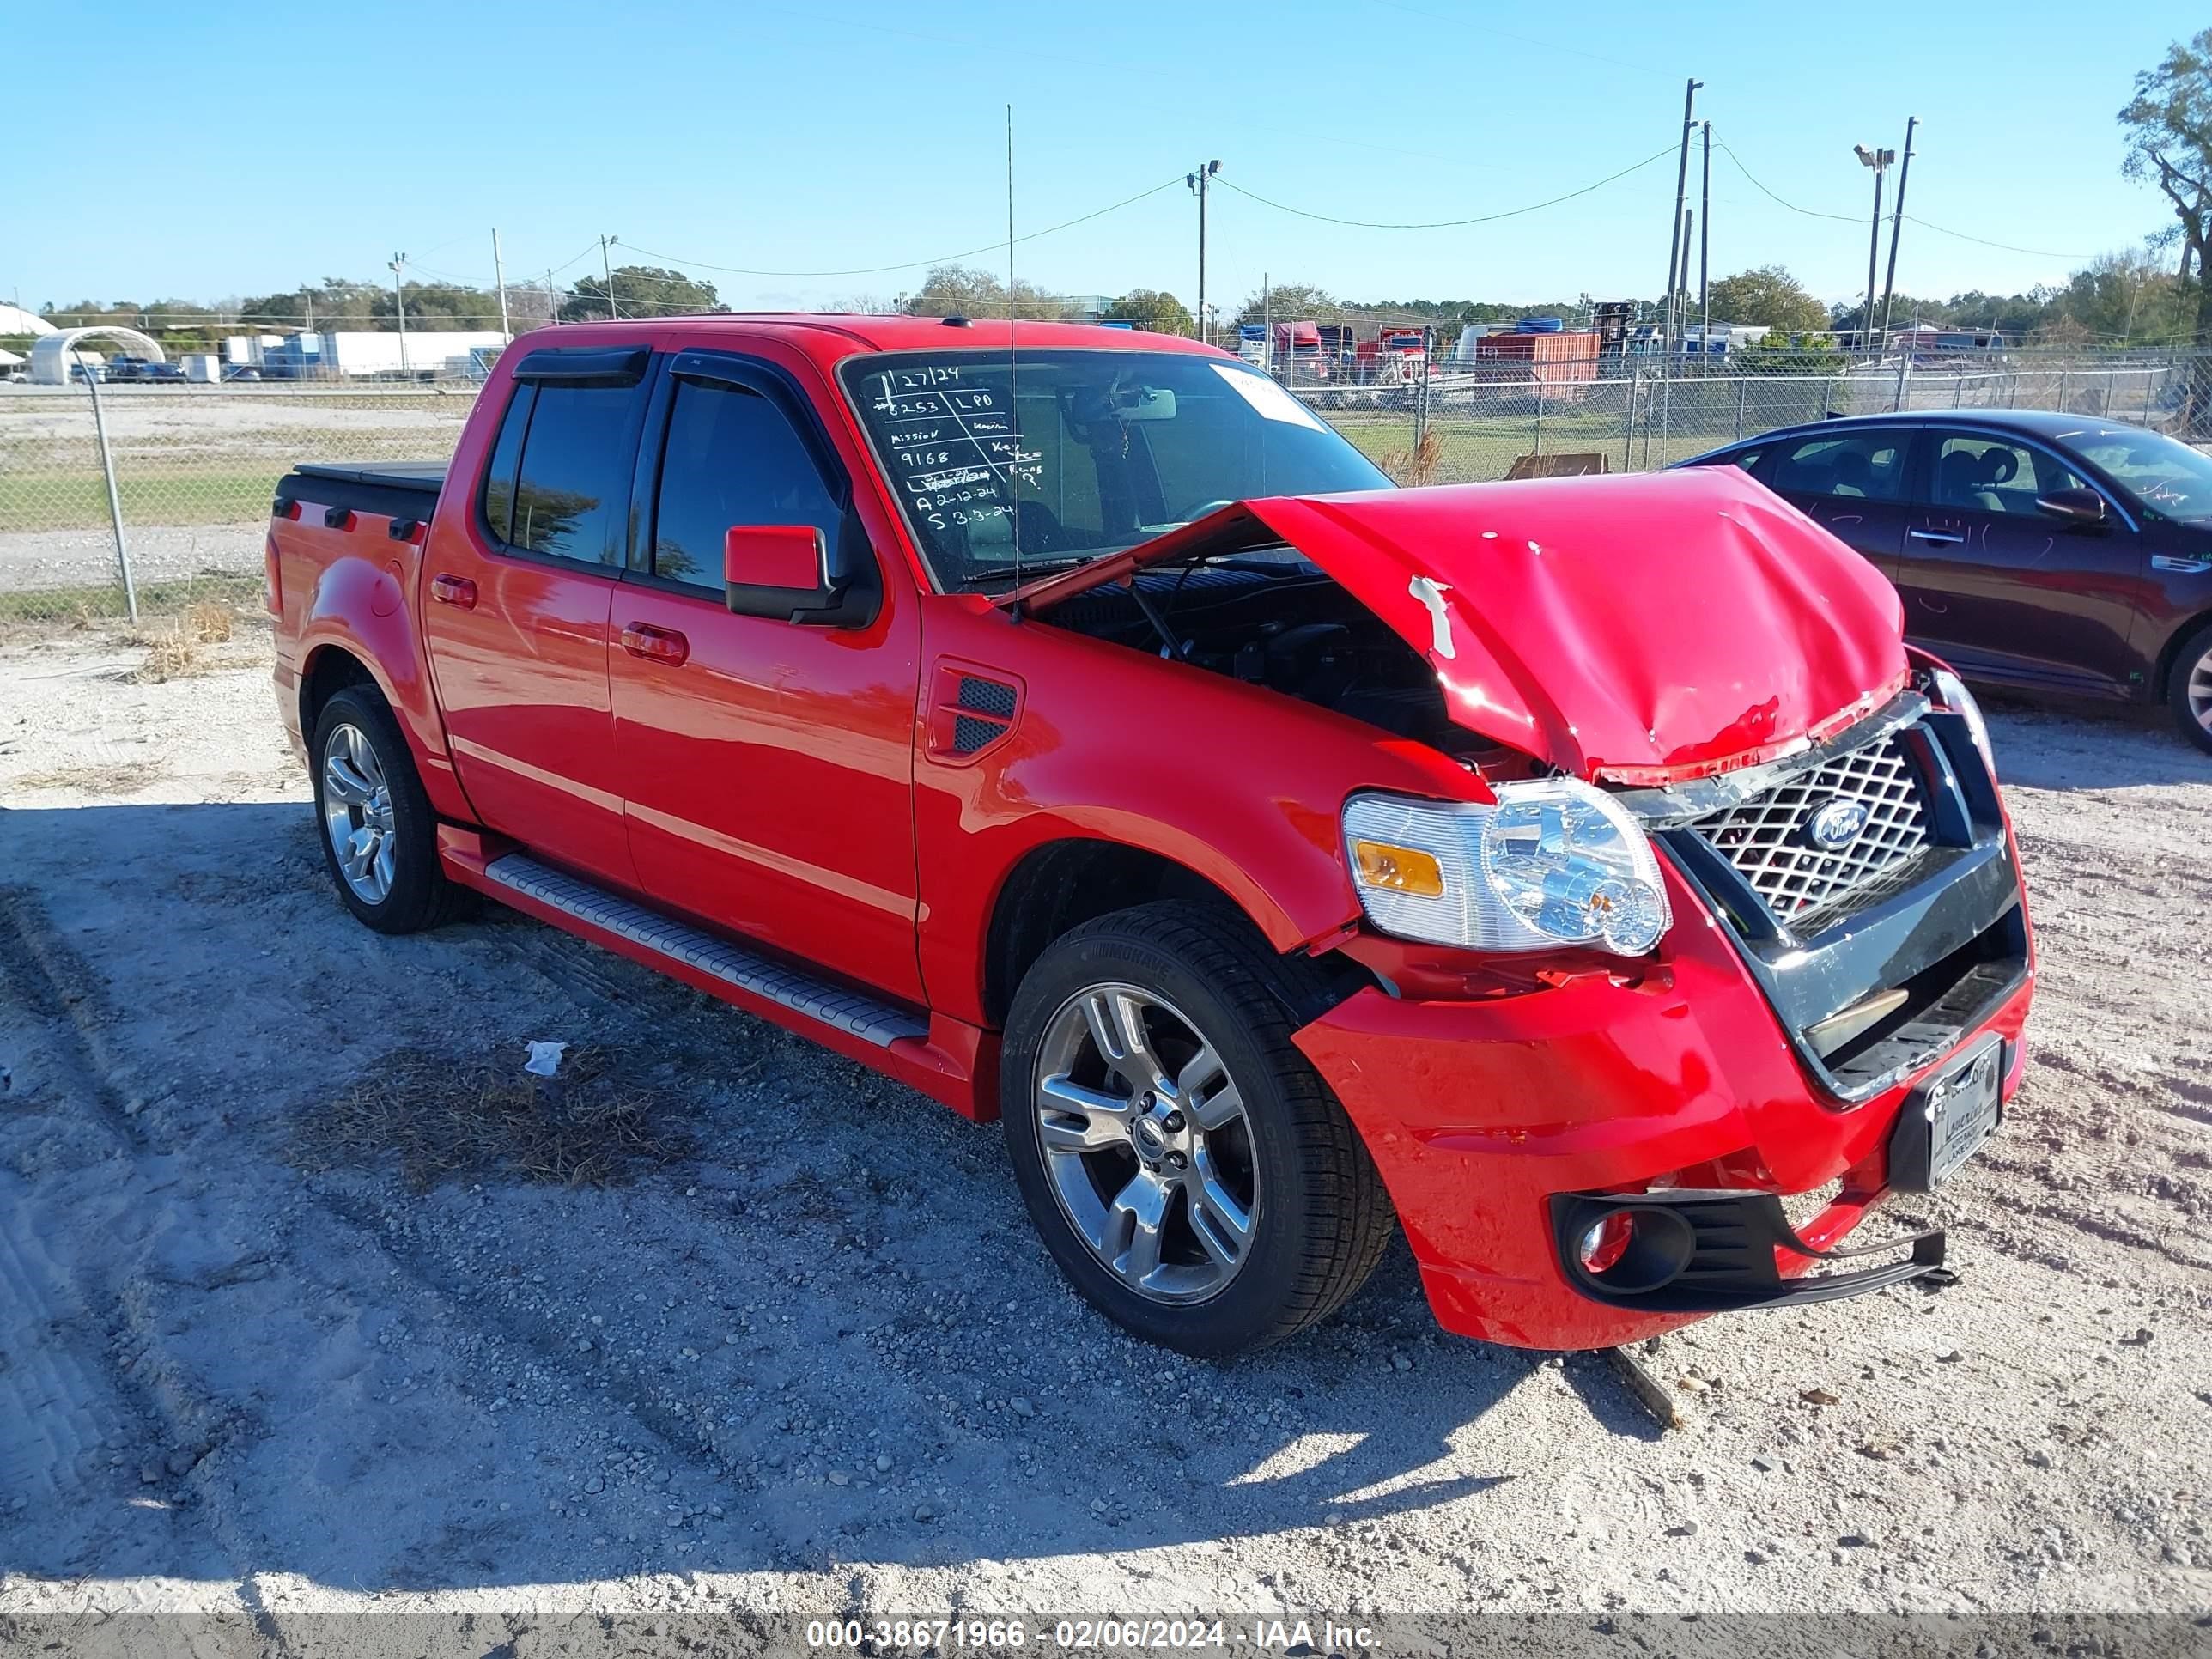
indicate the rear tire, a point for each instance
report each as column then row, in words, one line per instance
column 379, row 836
column 2189, row 693
column 1202, row 1188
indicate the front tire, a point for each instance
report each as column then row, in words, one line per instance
column 2190, row 694
column 1188, row 1170
column 379, row 837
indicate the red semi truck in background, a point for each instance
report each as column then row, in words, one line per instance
column 1077, row 730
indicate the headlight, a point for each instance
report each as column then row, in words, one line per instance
column 1951, row 691
column 1554, row 862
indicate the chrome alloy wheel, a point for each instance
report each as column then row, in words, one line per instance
column 1148, row 1143
column 2200, row 691
column 357, row 813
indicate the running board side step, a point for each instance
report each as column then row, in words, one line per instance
column 848, row 1011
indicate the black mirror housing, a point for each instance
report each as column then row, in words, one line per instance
column 2083, row 508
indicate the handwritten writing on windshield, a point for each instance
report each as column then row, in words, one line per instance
column 952, row 444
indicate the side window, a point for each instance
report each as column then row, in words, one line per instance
column 506, row 452
column 1860, row 465
column 574, row 471
column 1988, row 475
column 732, row 458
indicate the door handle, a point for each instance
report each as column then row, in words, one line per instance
column 454, row 590
column 1946, row 536
column 656, row 644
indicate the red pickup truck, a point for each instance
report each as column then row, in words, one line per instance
column 1073, row 727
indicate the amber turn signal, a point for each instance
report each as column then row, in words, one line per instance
column 1398, row 869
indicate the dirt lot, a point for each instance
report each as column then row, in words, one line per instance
column 819, row 1361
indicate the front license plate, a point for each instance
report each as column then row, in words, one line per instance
column 1945, row 1119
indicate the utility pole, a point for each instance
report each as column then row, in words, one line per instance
column 1681, row 190
column 552, row 299
column 1267, row 322
column 1682, row 287
column 1196, row 183
column 1896, row 224
column 499, row 276
column 399, row 297
column 1705, row 249
column 607, row 265
column 1879, row 160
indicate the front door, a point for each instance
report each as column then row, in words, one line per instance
column 518, row 595
column 767, row 765
column 2003, row 590
column 1850, row 482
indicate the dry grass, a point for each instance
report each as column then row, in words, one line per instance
column 118, row 778
column 444, row 1120
column 207, row 622
column 1423, row 463
column 174, row 653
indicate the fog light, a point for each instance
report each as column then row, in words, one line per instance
column 1604, row 1241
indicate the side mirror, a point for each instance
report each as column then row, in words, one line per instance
column 2083, row 508
column 781, row 571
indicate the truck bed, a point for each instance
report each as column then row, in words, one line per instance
column 397, row 490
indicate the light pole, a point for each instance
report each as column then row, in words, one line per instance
column 1197, row 182
column 1879, row 160
column 398, row 263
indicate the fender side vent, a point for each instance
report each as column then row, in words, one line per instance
column 969, row 709
column 970, row 734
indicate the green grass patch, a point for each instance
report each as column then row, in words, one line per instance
column 77, row 500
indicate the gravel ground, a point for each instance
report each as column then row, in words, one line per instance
column 821, row 1363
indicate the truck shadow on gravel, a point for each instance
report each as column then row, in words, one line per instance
column 827, row 1335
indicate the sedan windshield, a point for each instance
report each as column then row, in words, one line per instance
column 2170, row 479
column 1012, row 467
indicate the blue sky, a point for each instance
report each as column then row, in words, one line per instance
column 281, row 147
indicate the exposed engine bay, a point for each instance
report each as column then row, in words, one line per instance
column 1275, row 620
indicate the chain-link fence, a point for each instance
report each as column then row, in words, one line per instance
column 1447, row 423
column 194, row 468
column 194, row 471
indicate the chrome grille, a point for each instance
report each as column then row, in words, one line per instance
column 1767, row 837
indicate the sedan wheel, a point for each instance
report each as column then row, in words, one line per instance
column 2189, row 689
column 357, row 814
column 1147, row 1144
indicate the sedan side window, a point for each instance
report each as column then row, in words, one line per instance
column 1851, row 465
column 1988, row 475
column 731, row 458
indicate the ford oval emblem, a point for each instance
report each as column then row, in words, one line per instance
column 1836, row 825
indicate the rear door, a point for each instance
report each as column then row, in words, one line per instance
column 1851, row 481
column 2003, row 590
column 767, row 765
column 519, row 588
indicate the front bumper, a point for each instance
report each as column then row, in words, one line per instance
column 1483, row 1115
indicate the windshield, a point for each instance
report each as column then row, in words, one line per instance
column 1057, row 457
column 2168, row 478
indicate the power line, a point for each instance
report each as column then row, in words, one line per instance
column 913, row 264
column 1446, row 224
column 1853, row 219
column 2041, row 252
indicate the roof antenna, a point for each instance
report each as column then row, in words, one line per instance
column 1014, row 365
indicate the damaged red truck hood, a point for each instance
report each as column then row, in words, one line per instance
column 1642, row 629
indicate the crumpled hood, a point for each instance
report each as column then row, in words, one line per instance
column 1644, row 627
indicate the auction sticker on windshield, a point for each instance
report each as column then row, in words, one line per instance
column 1264, row 395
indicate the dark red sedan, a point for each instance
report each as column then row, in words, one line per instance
column 2049, row 552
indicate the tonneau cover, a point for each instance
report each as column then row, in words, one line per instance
column 402, row 491
column 428, row 477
